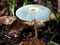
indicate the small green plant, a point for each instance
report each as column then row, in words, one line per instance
column 12, row 4
column 58, row 19
column 26, row 2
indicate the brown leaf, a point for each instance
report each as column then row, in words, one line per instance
column 7, row 20
column 38, row 42
column 32, row 41
column 18, row 24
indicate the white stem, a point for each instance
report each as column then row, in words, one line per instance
column 36, row 33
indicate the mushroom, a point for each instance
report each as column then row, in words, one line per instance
column 33, row 12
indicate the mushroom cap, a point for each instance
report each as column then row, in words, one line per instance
column 33, row 11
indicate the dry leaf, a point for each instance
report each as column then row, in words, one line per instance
column 32, row 41
column 7, row 20
column 52, row 16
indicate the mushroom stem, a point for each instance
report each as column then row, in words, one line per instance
column 36, row 33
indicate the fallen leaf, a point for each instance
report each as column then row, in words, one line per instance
column 7, row 20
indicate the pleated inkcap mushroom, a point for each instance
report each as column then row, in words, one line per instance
column 33, row 11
